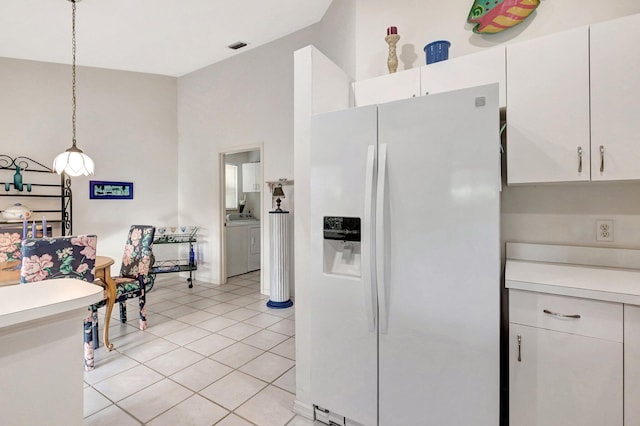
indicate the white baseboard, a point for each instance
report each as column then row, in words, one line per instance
column 303, row 409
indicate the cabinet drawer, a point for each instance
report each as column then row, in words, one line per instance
column 603, row 320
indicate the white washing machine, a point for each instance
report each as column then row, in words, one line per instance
column 243, row 243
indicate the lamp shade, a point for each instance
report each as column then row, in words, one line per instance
column 278, row 192
column 73, row 162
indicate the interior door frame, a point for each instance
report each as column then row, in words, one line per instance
column 222, row 258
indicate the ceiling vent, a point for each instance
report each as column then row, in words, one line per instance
column 237, row 45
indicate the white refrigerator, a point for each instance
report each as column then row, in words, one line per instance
column 405, row 274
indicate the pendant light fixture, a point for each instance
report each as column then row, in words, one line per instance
column 73, row 161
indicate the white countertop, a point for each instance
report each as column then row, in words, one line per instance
column 551, row 269
column 591, row 282
column 32, row 301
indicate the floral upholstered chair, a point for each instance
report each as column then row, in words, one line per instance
column 135, row 278
column 10, row 243
column 58, row 257
column 63, row 257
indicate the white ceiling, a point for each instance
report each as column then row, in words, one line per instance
column 170, row 37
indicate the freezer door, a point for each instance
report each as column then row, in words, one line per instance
column 440, row 296
column 343, row 334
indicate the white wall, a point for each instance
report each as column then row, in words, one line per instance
column 243, row 102
column 421, row 22
column 126, row 122
column 567, row 213
column 337, row 37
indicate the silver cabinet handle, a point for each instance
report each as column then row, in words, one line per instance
column 519, row 348
column 601, row 158
column 555, row 314
column 579, row 159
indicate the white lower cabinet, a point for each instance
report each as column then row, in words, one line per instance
column 243, row 248
column 631, row 365
column 565, row 361
column 254, row 247
column 237, row 249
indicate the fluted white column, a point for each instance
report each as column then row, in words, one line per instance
column 279, row 260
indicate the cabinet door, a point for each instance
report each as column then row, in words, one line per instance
column 631, row 365
column 254, row 248
column 548, row 115
column 615, row 99
column 477, row 69
column 251, row 177
column 248, row 180
column 387, row 88
column 254, row 240
column 257, row 176
column 560, row 379
column 237, row 250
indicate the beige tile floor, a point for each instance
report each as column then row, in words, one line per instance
column 212, row 355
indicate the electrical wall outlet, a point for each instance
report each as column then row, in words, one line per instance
column 604, row 230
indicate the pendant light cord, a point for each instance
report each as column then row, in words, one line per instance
column 73, row 162
column 73, row 68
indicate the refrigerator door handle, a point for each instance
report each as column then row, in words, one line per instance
column 380, row 245
column 368, row 253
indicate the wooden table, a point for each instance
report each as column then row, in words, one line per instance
column 10, row 275
column 103, row 272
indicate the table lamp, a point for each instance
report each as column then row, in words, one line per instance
column 278, row 193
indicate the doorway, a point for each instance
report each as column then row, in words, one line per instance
column 241, row 211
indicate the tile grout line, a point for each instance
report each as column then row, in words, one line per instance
column 280, row 319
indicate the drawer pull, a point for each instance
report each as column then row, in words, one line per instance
column 519, row 348
column 579, row 159
column 555, row 314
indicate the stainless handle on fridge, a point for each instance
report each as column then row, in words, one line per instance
column 579, row 159
column 368, row 264
column 556, row 314
column 381, row 226
column 601, row 158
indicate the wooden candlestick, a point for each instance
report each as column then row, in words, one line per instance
column 392, row 61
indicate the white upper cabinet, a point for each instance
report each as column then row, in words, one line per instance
column 548, row 108
column 387, row 88
column 615, row 99
column 251, row 177
column 484, row 67
column 476, row 69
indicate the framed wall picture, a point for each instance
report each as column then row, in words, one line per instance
column 99, row 190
